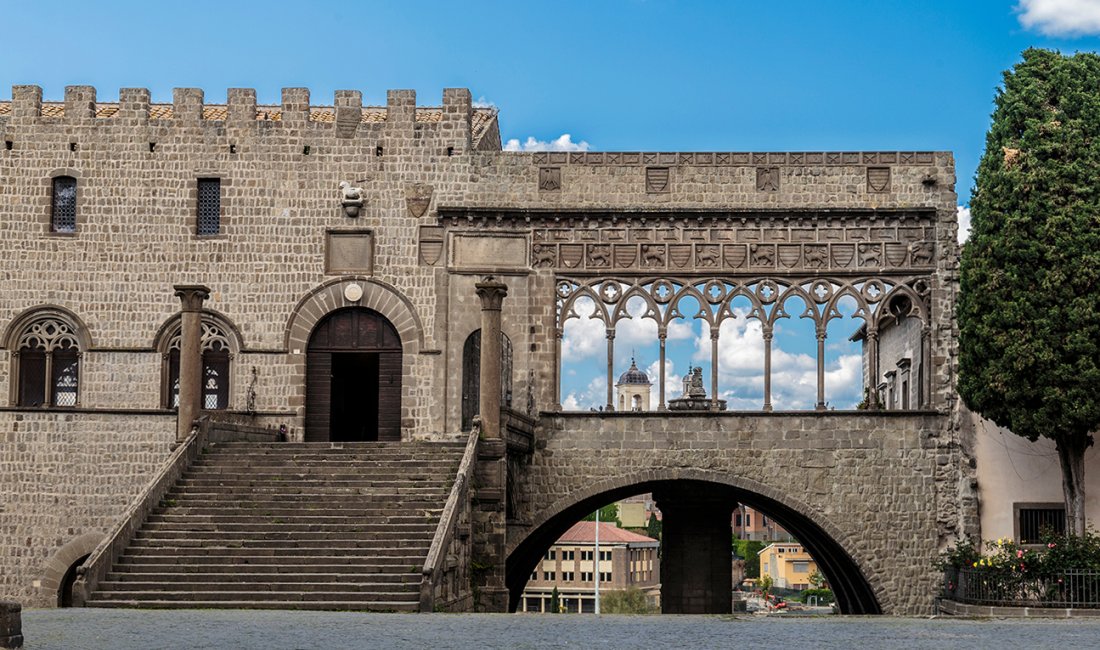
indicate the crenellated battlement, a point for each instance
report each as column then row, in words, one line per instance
column 134, row 106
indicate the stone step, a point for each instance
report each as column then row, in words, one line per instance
column 343, row 606
column 294, row 517
column 348, row 544
column 342, row 573
column 263, row 585
column 410, row 595
column 252, row 478
column 285, row 572
column 305, row 511
column 268, row 557
column 187, row 537
column 311, row 491
column 268, row 525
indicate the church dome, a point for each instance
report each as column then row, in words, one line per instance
column 634, row 376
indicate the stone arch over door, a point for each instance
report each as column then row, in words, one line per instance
column 353, row 378
column 340, row 293
column 857, row 587
column 60, row 571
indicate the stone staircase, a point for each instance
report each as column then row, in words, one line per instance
column 342, row 526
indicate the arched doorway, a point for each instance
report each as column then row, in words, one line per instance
column 854, row 593
column 353, row 378
column 65, row 590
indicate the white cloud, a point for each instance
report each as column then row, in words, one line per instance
column 673, row 383
column 964, row 224
column 1061, row 17
column 481, row 102
column 583, row 339
column 562, row 143
column 594, row 396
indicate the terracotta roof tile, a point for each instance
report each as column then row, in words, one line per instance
column 584, row 532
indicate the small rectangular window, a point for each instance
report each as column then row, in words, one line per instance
column 209, row 206
column 63, row 215
column 1033, row 519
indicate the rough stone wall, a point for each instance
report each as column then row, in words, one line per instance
column 64, row 475
column 869, row 480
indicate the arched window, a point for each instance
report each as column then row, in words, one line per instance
column 63, row 207
column 216, row 355
column 47, row 354
column 471, row 376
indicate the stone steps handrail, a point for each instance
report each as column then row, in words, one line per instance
column 432, row 573
column 99, row 563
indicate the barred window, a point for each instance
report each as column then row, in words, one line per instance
column 1034, row 519
column 209, row 206
column 63, row 211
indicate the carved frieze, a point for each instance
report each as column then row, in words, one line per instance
column 766, row 246
column 734, row 159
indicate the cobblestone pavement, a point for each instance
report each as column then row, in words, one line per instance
column 50, row 629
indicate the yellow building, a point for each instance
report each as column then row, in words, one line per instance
column 789, row 565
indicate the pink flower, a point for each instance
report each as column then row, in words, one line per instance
column 1051, row 545
column 1019, row 553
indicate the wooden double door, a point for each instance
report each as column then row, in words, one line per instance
column 353, row 378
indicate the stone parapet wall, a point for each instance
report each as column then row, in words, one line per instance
column 67, row 475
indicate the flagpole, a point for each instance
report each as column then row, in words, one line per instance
column 596, row 562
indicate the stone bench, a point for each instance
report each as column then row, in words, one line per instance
column 11, row 625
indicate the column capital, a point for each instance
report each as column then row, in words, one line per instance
column 192, row 296
column 491, row 291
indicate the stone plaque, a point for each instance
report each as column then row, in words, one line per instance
column 498, row 251
column 349, row 251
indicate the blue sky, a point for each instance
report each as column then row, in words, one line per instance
column 625, row 75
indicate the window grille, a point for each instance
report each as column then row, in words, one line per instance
column 63, row 215
column 210, row 206
column 1034, row 521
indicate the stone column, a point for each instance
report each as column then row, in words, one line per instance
column 820, row 367
column 714, row 367
column 768, row 334
column 489, row 518
column 191, row 298
column 491, row 292
column 610, row 369
column 696, row 558
column 872, row 369
column 662, row 335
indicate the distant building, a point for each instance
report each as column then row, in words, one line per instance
column 756, row 526
column 789, row 565
column 626, row 560
column 633, row 388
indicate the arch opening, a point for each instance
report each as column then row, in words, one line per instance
column 65, row 589
column 353, row 378
column 852, row 590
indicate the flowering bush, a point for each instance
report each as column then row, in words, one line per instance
column 1063, row 571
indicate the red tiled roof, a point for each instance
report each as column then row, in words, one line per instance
column 584, row 532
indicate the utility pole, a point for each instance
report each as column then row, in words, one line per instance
column 596, row 562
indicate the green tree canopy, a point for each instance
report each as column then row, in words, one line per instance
column 1029, row 308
